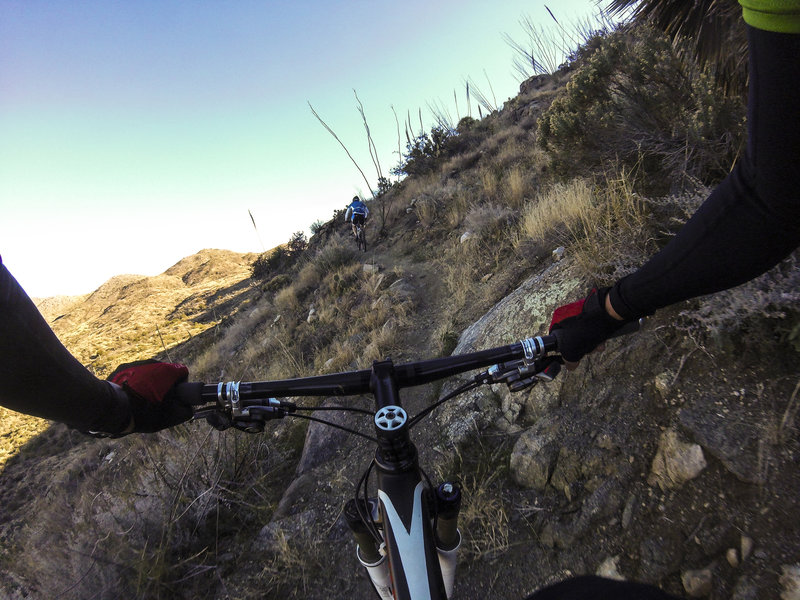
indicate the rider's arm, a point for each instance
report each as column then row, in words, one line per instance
column 749, row 223
column 38, row 376
column 348, row 214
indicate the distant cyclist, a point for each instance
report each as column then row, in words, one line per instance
column 357, row 213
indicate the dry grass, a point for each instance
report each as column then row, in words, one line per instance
column 556, row 214
column 483, row 519
column 490, row 184
column 614, row 236
column 605, row 225
column 516, row 187
column 287, row 301
column 427, row 210
column 457, row 209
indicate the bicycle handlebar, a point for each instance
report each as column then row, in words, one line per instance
column 519, row 365
column 353, row 383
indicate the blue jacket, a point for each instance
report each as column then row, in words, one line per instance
column 357, row 207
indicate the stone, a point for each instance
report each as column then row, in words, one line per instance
column 273, row 536
column 746, row 547
column 568, row 471
column 663, row 383
column 745, row 589
column 676, row 462
column 526, row 311
column 697, row 583
column 541, row 400
column 790, row 582
column 627, row 512
column 659, row 556
column 558, row 253
column 466, row 236
column 533, row 457
column 732, row 435
column 609, row 569
column 732, row 557
column 322, row 440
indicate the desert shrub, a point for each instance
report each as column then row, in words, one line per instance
column 297, row 244
column 639, row 99
column 276, row 283
column 340, row 282
column 488, row 220
column 268, row 264
column 425, row 152
column 287, row 301
column 307, row 278
column 773, row 296
column 337, row 253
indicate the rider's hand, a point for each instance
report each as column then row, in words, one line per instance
column 149, row 385
column 582, row 326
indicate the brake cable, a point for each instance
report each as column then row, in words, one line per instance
column 470, row 385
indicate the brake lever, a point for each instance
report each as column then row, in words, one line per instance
column 519, row 375
column 250, row 419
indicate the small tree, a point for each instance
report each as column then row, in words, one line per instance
column 297, row 244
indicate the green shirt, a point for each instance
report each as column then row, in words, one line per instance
column 782, row 16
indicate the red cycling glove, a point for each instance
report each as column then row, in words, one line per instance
column 149, row 385
column 582, row 326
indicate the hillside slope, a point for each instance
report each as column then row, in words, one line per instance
column 671, row 457
column 132, row 317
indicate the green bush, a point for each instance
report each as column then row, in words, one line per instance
column 297, row 243
column 424, row 152
column 268, row 264
column 639, row 101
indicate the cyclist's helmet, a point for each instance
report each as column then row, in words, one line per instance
column 356, row 198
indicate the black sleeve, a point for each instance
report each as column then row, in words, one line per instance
column 38, row 376
column 751, row 221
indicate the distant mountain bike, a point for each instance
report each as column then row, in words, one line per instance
column 406, row 533
column 361, row 237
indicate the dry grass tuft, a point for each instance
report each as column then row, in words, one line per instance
column 556, row 213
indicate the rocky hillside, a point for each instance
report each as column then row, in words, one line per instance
column 670, row 457
column 131, row 317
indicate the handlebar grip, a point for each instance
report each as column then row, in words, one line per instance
column 190, row 392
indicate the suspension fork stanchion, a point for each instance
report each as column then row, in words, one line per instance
column 405, row 504
column 448, row 537
column 367, row 551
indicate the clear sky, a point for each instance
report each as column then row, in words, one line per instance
column 135, row 133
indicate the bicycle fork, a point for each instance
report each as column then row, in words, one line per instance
column 422, row 561
column 448, row 540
